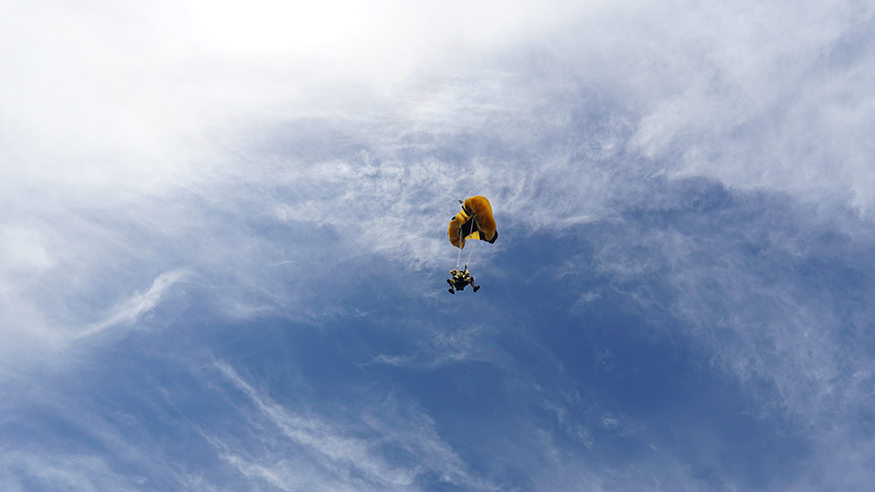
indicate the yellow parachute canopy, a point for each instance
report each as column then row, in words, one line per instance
column 473, row 222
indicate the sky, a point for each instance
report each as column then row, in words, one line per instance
column 223, row 250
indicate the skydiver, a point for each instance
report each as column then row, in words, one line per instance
column 460, row 279
column 452, row 281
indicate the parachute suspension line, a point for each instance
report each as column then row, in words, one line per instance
column 468, row 258
column 459, row 259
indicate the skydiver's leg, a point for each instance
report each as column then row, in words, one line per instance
column 474, row 287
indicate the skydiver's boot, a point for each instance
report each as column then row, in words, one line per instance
column 451, row 291
column 476, row 288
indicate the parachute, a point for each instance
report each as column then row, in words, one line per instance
column 475, row 221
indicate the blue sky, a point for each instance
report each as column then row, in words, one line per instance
column 224, row 252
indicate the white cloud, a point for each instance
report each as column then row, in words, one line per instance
column 446, row 346
column 73, row 472
column 352, row 39
column 23, row 249
column 131, row 310
column 315, row 451
column 772, row 296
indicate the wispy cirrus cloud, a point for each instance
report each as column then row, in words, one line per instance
column 770, row 294
column 130, row 311
column 370, row 452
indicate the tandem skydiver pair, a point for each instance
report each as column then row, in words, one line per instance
column 460, row 280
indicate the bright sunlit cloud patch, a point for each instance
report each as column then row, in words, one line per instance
column 354, row 37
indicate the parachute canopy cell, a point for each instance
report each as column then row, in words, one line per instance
column 475, row 221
